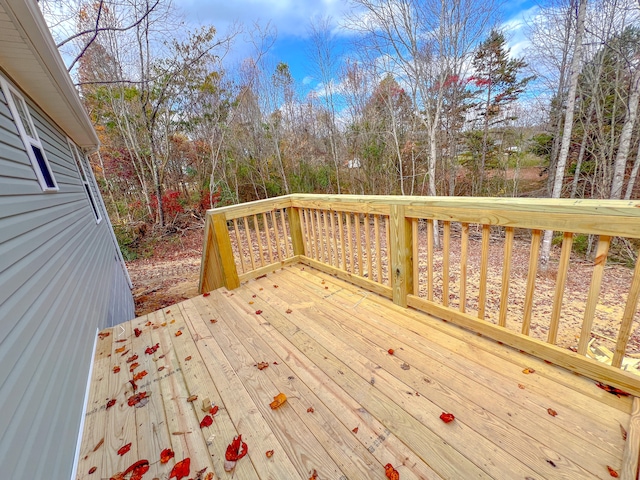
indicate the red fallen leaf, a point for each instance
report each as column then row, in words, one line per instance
column 278, row 400
column 213, row 320
column 213, row 410
column 206, row 294
column 269, row 453
column 137, row 470
column 181, row 469
column 137, row 398
column 262, row 365
column 235, row 451
column 92, row 470
column 310, row 410
column 111, row 403
column 137, row 332
column 103, row 335
column 133, row 366
column 390, row 351
column 275, row 286
column 168, row 311
column 178, row 333
column 124, row 449
column 391, row 473
column 161, row 368
column 258, row 312
column 187, row 358
column 275, row 363
column 355, row 430
column 151, row 350
column 447, row 417
column 148, row 324
column 133, row 385
column 253, row 296
column 166, row 455
column 528, row 370
column 289, row 310
column 552, row 412
column 207, row 421
column 612, row 390
column 139, row 375
column 314, row 475
column 116, row 369
column 121, row 349
column 612, row 472
column 121, row 340
column 118, row 476
column 132, row 358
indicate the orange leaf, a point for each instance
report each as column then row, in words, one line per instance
column 166, row 455
column 181, row 469
column 528, row 370
column 103, row 335
column 520, row 386
column 207, row 421
column 552, row 412
column 92, row 470
column 121, row 349
column 139, row 375
column 213, row 320
column 612, row 472
column 209, row 476
column 262, row 365
column 310, row 410
column 133, row 366
column 278, row 400
column 314, row 475
column 289, row 310
column 124, row 449
column 187, row 358
column 178, row 333
column 140, row 399
column 168, row 311
column 269, row 453
column 132, row 358
column 390, row 351
column 192, row 398
column 355, row 430
column 116, row 369
column 111, row 403
column 447, row 417
column 391, row 473
column 251, row 302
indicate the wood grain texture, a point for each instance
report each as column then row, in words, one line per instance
column 632, row 447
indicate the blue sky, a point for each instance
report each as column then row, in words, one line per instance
column 292, row 18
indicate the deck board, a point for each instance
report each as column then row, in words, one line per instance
column 326, row 343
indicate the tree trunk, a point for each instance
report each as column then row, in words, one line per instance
column 568, row 126
column 634, row 175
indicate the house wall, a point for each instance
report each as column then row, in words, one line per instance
column 60, row 280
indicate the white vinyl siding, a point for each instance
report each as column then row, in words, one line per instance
column 84, row 169
column 29, row 135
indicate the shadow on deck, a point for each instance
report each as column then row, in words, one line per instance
column 366, row 383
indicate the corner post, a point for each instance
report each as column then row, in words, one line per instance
column 401, row 256
column 218, row 268
column 295, row 227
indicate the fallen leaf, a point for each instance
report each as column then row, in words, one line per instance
column 275, row 286
column 355, row 430
column 187, row 358
column 133, row 385
column 262, row 365
column 118, row 476
column 98, row 445
column 178, row 333
column 269, row 453
column 209, row 476
column 161, row 368
column 137, row 470
column 278, row 400
column 213, row 410
column 116, row 369
column 612, row 390
column 92, row 470
column 289, row 310
column 521, row 386
column 206, row 294
column 163, row 324
column 528, row 370
column 121, row 349
column 207, row 421
column 391, row 473
column 405, row 366
column 447, row 417
column 250, row 302
column 390, row 351
column 253, row 296
column 132, row 358
column 235, row 451
column 124, row 449
column 151, row 350
column 103, row 335
column 173, row 321
column 148, row 324
column 310, row 410
column 612, row 472
column 261, row 289
column 139, row 375
column 181, row 469
column 552, row 412
column 168, row 311
column 213, row 320
column 275, row 363
column 192, row 398
column 314, row 475
column 137, row 332
column 166, row 455
column 623, row 432
column 137, row 398
column 111, row 403
column 133, row 366
column 258, row 312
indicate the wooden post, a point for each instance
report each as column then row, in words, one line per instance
column 400, row 247
column 295, row 227
column 218, row 267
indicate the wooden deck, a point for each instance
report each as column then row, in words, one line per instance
column 352, row 406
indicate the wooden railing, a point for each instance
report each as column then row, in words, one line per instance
column 388, row 245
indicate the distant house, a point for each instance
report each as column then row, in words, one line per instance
column 62, row 276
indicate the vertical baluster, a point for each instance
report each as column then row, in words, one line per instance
column 343, row 251
column 349, row 239
column 367, row 236
column 268, row 237
column 506, row 273
column 259, row 235
column 484, row 269
column 594, row 292
column 249, row 242
column 531, row 280
column 314, row 215
column 274, row 222
column 430, row 259
column 464, row 256
column 285, row 234
column 561, row 280
column 336, row 262
column 446, row 239
column 239, row 244
column 307, row 226
column 415, row 255
column 388, row 235
column 376, row 226
column 327, row 243
column 358, row 243
column 627, row 316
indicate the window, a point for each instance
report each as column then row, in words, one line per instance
column 83, row 169
column 22, row 117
